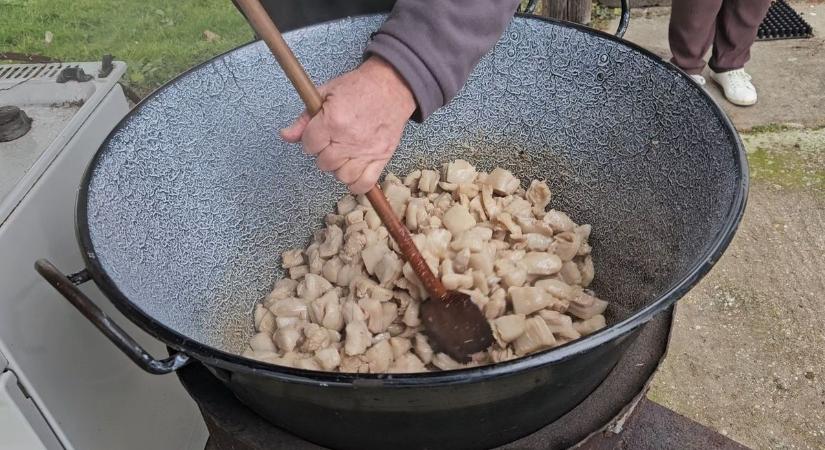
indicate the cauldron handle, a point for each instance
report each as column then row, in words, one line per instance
column 624, row 19
column 67, row 286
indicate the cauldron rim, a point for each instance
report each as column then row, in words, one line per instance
column 214, row 357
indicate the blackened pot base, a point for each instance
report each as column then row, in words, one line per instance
column 233, row 425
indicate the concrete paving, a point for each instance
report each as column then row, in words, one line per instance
column 789, row 74
column 747, row 356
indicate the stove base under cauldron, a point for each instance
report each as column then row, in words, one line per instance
column 616, row 415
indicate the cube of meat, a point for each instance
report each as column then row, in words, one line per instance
column 559, row 221
column 389, row 269
column 346, row 204
column 333, row 237
column 458, row 219
column 527, row 300
column 354, row 364
column 316, row 337
column 298, row 272
column 482, row 263
column 539, row 195
column 520, row 207
column 497, row 304
column 560, row 324
column 407, row 363
column 287, row 338
column 400, row 346
column 591, row 325
column 472, row 239
column 437, row 242
column 283, row 288
column 292, row 258
column 328, row 358
column 352, row 312
column 586, row 270
column 262, row 342
column 566, row 245
column 289, row 307
column 411, row 180
column 312, row 287
column 316, row 262
column 444, row 362
column 570, row 273
column 531, row 225
column 536, row 336
column 358, row 337
column 373, row 254
column 506, row 220
column 513, row 274
column 416, row 214
column 508, row 328
column 585, row 306
column 372, row 219
column 264, row 320
column 379, row 357
column 537, row 242
column 428, row 181
column 331, row 268
column 460, row 172
column 502, row 181
column 558, row 288
column 397, row 196
column 541, row 263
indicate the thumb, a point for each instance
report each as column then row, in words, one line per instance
column 294, row 132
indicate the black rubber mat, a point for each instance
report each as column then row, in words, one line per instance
column 782, row 22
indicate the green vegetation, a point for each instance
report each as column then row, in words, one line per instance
column 786, row 169
column 602, row 15
column 770, row 128
column 786, row 156
column 158, row 39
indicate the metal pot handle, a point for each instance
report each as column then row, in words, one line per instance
column 624, row 19
column 67, row 286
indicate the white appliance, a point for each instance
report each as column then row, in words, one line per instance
column 62, row 383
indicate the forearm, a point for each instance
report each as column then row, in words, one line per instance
column 435, row 44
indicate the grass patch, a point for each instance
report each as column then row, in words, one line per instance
column 785, row 169
column 787, row 157
column 602, row 15
column 158, row 39
column 770, row 128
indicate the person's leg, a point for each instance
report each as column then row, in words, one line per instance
column 736, row 31
column 692, row 26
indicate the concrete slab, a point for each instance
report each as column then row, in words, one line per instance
column 746, row 357
column 789, row 74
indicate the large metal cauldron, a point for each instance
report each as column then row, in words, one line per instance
column 188, row 204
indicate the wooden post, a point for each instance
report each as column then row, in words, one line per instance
column 571, row 10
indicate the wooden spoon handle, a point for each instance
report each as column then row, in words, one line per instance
column 266, row 29
column 402, row 237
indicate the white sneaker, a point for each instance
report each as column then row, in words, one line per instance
column 737, row 86
column 699, row 79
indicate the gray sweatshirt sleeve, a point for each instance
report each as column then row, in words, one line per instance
column 435, row 44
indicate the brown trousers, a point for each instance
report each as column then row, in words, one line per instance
column 729, row 25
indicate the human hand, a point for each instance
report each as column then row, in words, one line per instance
column 359, row 125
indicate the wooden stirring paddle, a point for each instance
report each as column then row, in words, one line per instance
column 453, row 321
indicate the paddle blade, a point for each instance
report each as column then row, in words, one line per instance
column 456, row 325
